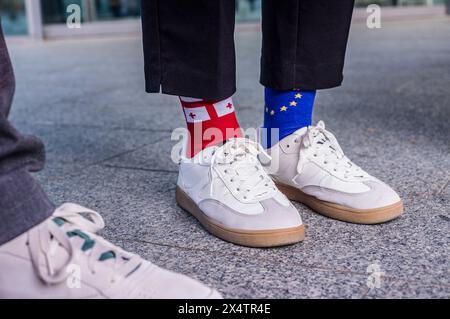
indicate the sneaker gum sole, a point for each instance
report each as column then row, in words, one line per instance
column 249, row 238
column 347, row 214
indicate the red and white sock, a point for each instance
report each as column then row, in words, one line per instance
column 209, row 123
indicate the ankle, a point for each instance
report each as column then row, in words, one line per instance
column 209, row 123
column 286, row 111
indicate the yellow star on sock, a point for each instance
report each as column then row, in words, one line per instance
column 272, row 112
column 298, row 96
column 293, row 103
column 283, row 108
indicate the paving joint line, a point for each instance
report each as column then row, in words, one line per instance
column 100, row 127
column 140, row 168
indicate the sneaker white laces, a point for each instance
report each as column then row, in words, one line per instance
column 326, row 150
column 46, row 241
column 243, row 170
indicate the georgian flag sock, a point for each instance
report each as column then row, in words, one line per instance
column 209, row 123
column 285, row 111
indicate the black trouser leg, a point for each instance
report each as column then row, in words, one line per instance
column 304, row 43
column 23, row 204
column 189, row 47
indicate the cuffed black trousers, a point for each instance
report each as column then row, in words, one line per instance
column 189, row 45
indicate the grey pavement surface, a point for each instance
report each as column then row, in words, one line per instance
column 109, row 144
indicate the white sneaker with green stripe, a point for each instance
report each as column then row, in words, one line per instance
column 64, row 258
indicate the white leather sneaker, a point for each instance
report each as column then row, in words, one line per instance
column 310, row 167
column 228, row 191
column 63, row 258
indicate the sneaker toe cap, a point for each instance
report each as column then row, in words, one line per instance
column 280, row 216
column 164, row 284
column 380, row 195
column 275, row 216
column 377, row 195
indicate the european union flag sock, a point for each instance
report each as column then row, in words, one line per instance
column 286, row 111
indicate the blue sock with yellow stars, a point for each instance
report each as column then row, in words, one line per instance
column 286, row 111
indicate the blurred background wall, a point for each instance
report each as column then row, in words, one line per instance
column 46, row 18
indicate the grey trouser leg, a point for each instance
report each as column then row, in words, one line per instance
column 23, row 203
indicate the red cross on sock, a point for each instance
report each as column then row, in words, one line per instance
column 209, row 123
